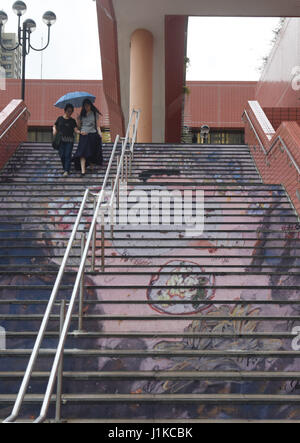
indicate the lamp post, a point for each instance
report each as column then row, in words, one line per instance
column 24, row 34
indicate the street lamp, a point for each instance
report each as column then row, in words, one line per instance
column 24, row 34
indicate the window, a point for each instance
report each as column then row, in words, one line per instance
column 219, row 136
column 7, row 42
column 40, row 135
column 7, row 58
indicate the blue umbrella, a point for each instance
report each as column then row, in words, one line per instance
column 75, row 98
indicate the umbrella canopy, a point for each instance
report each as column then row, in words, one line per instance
column 75, row 98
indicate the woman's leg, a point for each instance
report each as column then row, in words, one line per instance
column 61, row 152
column 68, row 156
column 83, row 165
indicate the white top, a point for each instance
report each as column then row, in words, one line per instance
column 89, row 123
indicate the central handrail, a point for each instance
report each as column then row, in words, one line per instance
column 22, row 391
column 66, row 325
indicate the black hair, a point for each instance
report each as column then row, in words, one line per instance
column 69, row 105
column 87, row 101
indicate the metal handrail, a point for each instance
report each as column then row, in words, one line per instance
column 115, row 194
column 120, row 169
column 274, row 143
column 135, row 128
column 254, row 130
column 22, row 391
column 65, row 328
column 15, row 120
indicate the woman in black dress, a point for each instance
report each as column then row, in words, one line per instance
column 89, row 149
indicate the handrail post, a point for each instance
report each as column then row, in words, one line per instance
column 94, row 241
column 122, row 170
column 102, row 242
column 112, row 212
column 118, row 184
column 81, row 290
column 60, row 368
column 119, row 190
column 118, row 161
column 126, row 169
column 130, row 163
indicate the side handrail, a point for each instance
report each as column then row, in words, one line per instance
column 65, row 328
column 24, row 386
column 121, row 162
column 115, row 193
column 274, row 143
column 15, row 120
column 254, row 130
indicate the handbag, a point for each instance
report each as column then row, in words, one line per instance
column 98, row 135
column 56, row 141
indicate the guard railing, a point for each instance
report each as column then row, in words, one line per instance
column 124, row 166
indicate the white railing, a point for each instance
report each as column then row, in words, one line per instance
column 122, row 174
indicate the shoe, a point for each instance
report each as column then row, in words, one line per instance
column 66, row 174
column 83, row 174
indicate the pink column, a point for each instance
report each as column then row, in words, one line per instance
column 141, row 78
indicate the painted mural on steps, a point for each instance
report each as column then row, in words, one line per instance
column 245, row 242
column 264, row 244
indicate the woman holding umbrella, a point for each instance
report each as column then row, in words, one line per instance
column 66, row 126
column 89, row 149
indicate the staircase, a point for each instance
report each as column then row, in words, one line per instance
column 177, row 329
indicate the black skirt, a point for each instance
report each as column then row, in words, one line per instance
column 90, row 148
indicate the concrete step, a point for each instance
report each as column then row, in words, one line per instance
column 157, row 318
column 83, row 382
column 160, row 398
column 134, row 361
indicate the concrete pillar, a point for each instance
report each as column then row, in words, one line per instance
column 141, row 81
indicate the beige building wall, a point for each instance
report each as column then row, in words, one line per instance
column 11, row 60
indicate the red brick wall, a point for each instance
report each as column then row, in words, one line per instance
column 217, row 104
column 42, row 94
column 16, row 134
column 276, row 167
column 279, row 115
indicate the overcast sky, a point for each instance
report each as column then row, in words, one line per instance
column 219, row 48
column 228, row 48
column 74, row 48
